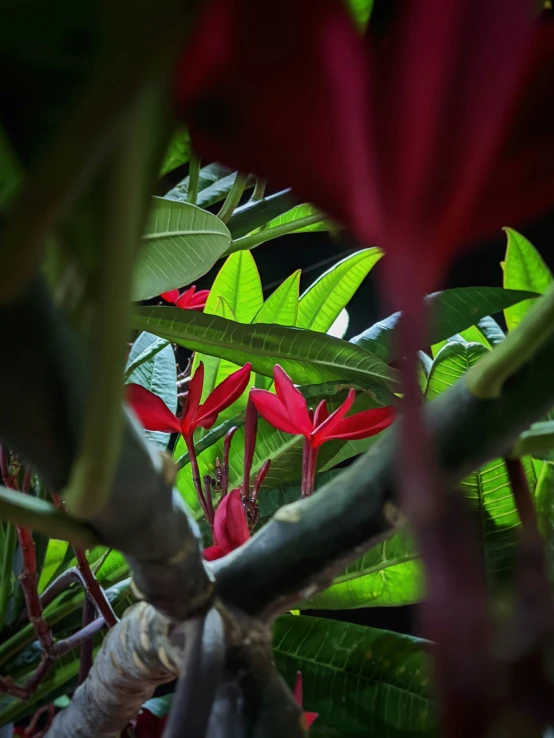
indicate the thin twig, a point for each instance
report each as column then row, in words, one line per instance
column 94, row 590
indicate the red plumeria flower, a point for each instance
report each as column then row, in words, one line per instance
column 309, row 717
column 156, row 416
column 230, row 527
column 189, row 300
column 147, row 725
column 288, row 412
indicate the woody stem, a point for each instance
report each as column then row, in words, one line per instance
column 94, row 590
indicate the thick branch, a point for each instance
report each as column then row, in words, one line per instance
column 140, row 653
column 41, row 416
column 307, row 543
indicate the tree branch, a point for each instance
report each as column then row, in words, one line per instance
column 143, row 517
column 307, row 543
column 144, row 650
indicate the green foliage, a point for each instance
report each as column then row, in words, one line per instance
column 178, row 152
column 158, row 374
column 181, row 243
column 388, row 575
column 451, row 311
column 362, row 681
column 524, row 269
column 308, row 357
column 322, row 302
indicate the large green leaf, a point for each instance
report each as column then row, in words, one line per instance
column 488, row 489
column 362, row 681
column 451, row 312
column 180, row 244
column 388, row 575
column 323, row 301
column 308, row 357
column 524, row 269
column 158, row 374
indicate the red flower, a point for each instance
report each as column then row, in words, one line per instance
column 288, row 412
column 230, row 527
column 189, row 300
column 432, row 129
column 309, row 717
column 155, row 415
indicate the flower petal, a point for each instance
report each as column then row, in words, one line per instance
column 151, row 410
column 363, row 425
column 270, row 407
column 189, row 419
column 213, row 552
column 184, row 300
column 321, row 413
column 171, row 296
column 230, row 526
column 223, row 396
column 325, row 429
column 293, row 400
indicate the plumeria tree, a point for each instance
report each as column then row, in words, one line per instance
column 187, row 474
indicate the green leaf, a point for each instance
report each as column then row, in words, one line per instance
column 361, row 12
column 452, row 311
column 538, row 442
column 362, row 681
column 308, row 357
column 236, row 294
column 177, row 154
column 524, row 269
column 388, row 575
column 158, row 374
column 487, row 489
column 256, row 213
column 545, row 513
column 296, row 213
column 323, row 301
column 55, row 554
column 237, row 282
column 209, row 175
column 149, row 352
column 7, row 579
column 180, row 244
column 281, row 307
column 487, row 332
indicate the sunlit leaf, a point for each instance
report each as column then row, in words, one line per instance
column 362, row 681
column 323, row 301
column 158, row 374
column 181, row 243
column 524, row 269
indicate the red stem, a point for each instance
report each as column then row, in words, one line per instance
column 309, row 462
column 208, row 498
column 250, row 433
column 86, row 647
column 29, row 585
column 196, row 480
column 94, row 590
column 225, row 466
